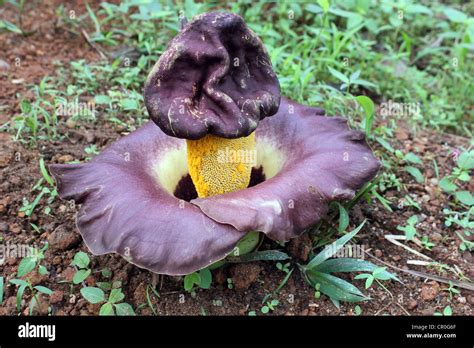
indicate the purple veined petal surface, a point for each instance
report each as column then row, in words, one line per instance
column 125, row 210
column 215, row 77
column 322, row 160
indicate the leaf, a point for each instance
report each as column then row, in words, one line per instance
column 447, row 185
column 102, row 99
column 343, row 218
column 465, row 197
column 116, row 295
column 94, row 19
column 369, row 281
column 347, row 264
column 10, row 27
column 447, row 311
column 417, row 8
column 385, row 144
column 107, row 309
column 43, row 289
column 412, row 220
column 26, row 266
column 19, row 296
column 313, row 8
column 368, row 105
column 81, row 260
column 378, row 271
column 455, row 15
column 415, row 172
column 45, row 173
column 338, row 75
column 18, row 282
column 247, row 244
column 129, row 104
column 336, row 288
column 409, row 230
column 206, row 279
column 93, row 295
column 265, row 255
column 466, row 160
column 362, row 276
column 324, row 5
column 124, row 309
column 332, row 249
column 81, row 275
column 190, row 280
column 411, row 157
column 42, row 270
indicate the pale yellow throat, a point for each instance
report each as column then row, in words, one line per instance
column 219, row 165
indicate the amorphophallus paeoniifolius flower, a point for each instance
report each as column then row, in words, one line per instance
column 224, row 155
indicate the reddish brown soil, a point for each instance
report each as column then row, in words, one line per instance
column 252, row 282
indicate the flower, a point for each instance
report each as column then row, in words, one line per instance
column 177, row 199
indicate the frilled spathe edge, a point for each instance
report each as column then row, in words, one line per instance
column 127, row 209
column 325, row 161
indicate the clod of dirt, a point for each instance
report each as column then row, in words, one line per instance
column 35, row 278
column 4, row 66
column 300, row 247
column 56, row 297
column 65, row 158
column 3, row 227
column 429, row 291
column 427, row 311
column 219, row 276
column 40, row 307
column 68, row 274
column 9, row 306
column 139, row 295
column 435, row 236
column 412, row 304
column 62, row 239
column 244, row 275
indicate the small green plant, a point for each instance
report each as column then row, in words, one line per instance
column 410, row 227
column 357, row 310
column 201, row 279
column 269, row 306
column 425, row 242
column 451, row 290
column 377, row 275
column 318, row 272
column 112, row 305
column 447, row 311
column 230, row 283
column 317, row 292
column 27, row 265
column 48, row 190
column 91, row 150
column 81, row 261
column 283, row 267
column 463, row 207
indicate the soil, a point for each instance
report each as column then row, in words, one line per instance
column 251, row 283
